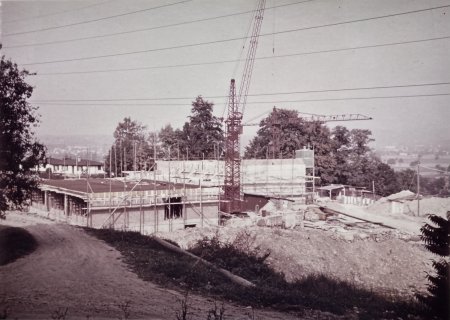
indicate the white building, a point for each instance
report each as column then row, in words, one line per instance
column 72, row 167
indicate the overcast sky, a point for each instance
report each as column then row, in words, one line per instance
column 304, row 46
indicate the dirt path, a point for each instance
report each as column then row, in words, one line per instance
column 73, row 270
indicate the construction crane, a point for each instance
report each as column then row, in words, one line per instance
column 311, row 117
column 236, row 107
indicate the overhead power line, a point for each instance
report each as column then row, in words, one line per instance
column 55, row 13
column 250, row 102
column 230, row 39
column 434, row 169
column 258, row 94
column 151, row 28
column 94, row 20
column 236, row 60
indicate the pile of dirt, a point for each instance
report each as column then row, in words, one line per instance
column 379, row 259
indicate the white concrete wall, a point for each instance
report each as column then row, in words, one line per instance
column 271, row 176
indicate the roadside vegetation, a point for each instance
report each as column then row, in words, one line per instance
column 15, row 243
column 153, row 262
column 436, row 236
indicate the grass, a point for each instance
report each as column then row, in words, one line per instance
column 15, row 243
column 152, row 262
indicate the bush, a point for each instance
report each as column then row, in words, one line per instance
column 15, row 243
column 437, row 240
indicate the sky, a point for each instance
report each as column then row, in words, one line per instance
column 97, row 62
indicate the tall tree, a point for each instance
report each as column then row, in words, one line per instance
column 341, row 155
column 130, row 150
column 171, row 142
column 20, row 151
column 284, row 131
column 202, row 136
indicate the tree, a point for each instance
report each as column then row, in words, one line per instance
column 131, row 150
column 171, row 142
column 20, row 152
column 437, row 241
column 406, row 180
column 201, row 137
column 336, row 152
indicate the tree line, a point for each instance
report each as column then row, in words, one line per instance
column 342, row 156
column 201, row 137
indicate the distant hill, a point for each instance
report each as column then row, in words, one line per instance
column 76, row 140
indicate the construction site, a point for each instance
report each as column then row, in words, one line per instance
column 181, row 194
column 312, row 223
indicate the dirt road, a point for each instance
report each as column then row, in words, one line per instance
column 73, row 270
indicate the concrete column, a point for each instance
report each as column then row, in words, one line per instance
column 66, row 204
column 46, row 200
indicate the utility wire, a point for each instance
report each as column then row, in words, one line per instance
column 251, row 102
column 228, row 40
column 256, row 94
column 150, row 28
column 434, row 169
column 232, row 61
column 94, row 20
column 55, row 13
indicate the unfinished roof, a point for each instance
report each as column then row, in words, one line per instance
column 106, row 185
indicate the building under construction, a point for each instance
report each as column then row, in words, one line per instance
column 179, row 194
column 142, row 205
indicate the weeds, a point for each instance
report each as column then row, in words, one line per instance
column 183, row 313
column 60, row 314
column 125, row 308
column 216, row 312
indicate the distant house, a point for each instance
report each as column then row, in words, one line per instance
column 73, row 167
column 399, row 202
column 346, row 194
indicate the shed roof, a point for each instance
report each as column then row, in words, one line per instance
column 402, row 195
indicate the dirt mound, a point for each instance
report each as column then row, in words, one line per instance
column 373, row 260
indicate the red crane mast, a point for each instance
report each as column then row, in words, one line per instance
column 236, row 107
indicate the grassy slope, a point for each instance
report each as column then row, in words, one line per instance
column 155, row 263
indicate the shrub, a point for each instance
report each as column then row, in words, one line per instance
column 437, row 240
column 15, row 243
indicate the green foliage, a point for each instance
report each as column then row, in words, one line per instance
column 19, row 150
column 284, row 131
column 130, row 147
column 171, row 140
column 341, row 155
column 407, row 180
column 15, row 243
column 201, row 137
column 437, row 240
